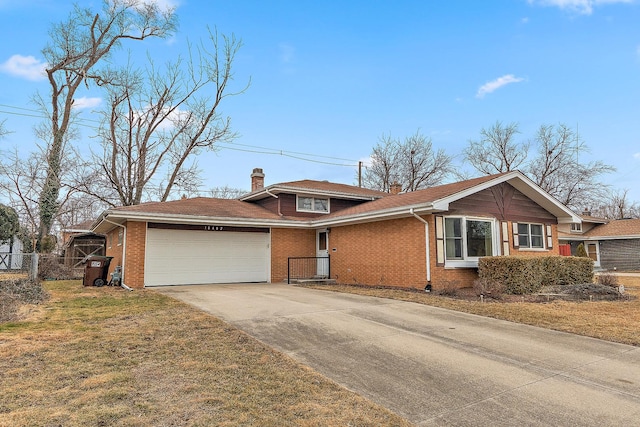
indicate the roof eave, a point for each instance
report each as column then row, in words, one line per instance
column 386, row 214
column 277, row 189
column 113, row 218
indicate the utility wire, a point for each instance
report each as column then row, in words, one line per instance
column 222, row 145
column 291, row 152
column 285, row 154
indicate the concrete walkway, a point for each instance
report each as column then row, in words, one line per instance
column 435, row 366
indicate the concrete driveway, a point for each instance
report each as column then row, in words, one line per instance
column 435, row 366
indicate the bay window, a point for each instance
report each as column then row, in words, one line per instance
column 467, row 239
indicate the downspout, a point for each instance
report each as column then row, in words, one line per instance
column 426, row 238
column 266, row 190
column 124, row 250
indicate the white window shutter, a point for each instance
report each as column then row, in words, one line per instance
column 505, row 237
column 440, row 251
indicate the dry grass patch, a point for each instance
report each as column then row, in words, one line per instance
column 617, row 321
column 104, row 356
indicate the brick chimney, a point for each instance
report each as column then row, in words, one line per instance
column 395, row 188
column 257, row 179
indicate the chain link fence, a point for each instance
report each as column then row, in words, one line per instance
column 40, row 266
column 18, row 265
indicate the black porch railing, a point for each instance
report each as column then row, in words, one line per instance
column 308, row 268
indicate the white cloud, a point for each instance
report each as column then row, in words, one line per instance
column 525, row 20
column 583, row 7
column 26, row 67
column 85, row 102
column 496, row 84
column 636, row 156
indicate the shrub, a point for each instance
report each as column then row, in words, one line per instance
column 581, row 251
column 51, row 267
column 526, row 275
column 518, row 275
column 562, row 270
column 448, row 288
column 588, row 290
column 488, row 288
column 607, row 279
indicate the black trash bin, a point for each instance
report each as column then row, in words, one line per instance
column 95, row 270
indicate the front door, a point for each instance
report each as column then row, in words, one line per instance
column 322, row 252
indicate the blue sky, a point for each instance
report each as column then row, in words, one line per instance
column 328, row 78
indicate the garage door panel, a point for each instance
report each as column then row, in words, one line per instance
column 193, row 257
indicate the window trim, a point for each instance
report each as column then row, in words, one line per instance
column 466, row 260
column 529, row 235
column 313, row 204
column 578, row 227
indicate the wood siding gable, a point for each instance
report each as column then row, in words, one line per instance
column 503, row 202
column 285, row 205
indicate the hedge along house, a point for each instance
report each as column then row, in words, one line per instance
column 427, row 238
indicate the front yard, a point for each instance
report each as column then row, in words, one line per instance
column 104, row 356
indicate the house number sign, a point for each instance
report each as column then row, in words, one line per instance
column 205, row 227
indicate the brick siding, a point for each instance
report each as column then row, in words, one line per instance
column 286, row 242
column 134, row 240
column 382, row 253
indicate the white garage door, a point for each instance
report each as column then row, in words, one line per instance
column 186, row 257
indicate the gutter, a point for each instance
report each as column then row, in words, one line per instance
column 266, row 190
column 426, row 238
column 124, row 250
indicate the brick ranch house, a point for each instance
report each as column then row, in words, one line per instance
column 427, row 238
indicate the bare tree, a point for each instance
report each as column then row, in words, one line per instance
column 617, row 206
column 413, row 164
column 157, row 122
column 497, row 151
column 225, row 192
column 21, row 182
column 557, row 168
column 555, row 164
column 3, row 129
column 385, row 164
column 73, row 55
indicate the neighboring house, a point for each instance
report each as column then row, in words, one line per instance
column 11, row 255
column 612, row 244
column 427, row 238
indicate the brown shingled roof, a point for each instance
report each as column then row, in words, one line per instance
column 203, row 206
column 616, row 228
column 308, row 184
column 312, row 186
column 414, row 197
